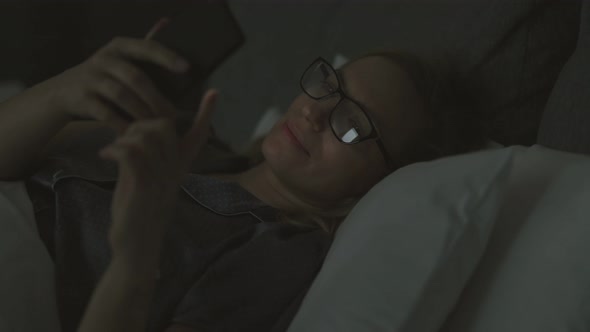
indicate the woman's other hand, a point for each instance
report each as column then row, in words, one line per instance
column 152, row 161
column 110, row 77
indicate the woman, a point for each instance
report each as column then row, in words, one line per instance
column 187, row 252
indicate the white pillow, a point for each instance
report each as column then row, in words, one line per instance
column 27, row 283
column 10, row 88
column 403, row 255
column 535, row 275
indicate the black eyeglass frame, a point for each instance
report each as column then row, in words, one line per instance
column 374, row 134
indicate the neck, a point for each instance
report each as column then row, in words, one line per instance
column 261, row 182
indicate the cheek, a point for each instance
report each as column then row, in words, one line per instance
column 274, row 142
column 271, row 146
column 350, row 169
column 280, row 153
column 338, row 164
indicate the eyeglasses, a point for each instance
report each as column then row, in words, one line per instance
column 350, row 123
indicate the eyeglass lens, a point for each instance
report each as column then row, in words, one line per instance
column 349, row 123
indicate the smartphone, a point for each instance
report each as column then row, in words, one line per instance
column 203, row 32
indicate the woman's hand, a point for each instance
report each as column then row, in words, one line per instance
column 110, row 78
column 152, row 161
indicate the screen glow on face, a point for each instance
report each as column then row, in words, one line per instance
column 350, row 136
column 349, row 122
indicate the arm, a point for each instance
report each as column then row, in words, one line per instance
column 74, row 136
column 152, row 162
column 27, row 122
column 122, row 299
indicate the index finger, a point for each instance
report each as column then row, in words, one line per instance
column 157, row 27
column 148, row 51
column 197, row 135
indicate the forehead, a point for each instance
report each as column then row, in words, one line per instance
column 376, row 82
column 384, row 90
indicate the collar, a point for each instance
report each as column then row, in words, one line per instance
column 225, row 197
column 219, row 196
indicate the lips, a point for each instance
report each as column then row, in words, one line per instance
column 293, row 137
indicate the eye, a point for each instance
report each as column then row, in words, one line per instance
column 354, row 124
column 328, row 82
column 328, row 87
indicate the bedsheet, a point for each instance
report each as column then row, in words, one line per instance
column 27, row 292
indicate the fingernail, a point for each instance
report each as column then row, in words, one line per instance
column 162, row 22
column 213, row 94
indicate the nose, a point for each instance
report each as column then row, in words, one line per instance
column 317, row 112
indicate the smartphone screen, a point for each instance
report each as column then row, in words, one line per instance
column 205, row 33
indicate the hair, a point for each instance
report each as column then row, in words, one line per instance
column 455, row 120
column 455, row 126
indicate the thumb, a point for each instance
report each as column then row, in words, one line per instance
column 196, row 137
column 157, row 27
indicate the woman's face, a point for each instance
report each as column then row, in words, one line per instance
column 304, row 153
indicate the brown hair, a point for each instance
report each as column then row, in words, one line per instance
column 455, row 127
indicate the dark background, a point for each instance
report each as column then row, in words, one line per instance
column 511, row 50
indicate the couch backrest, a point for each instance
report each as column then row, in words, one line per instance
column 566, row 121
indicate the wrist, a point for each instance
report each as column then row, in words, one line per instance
column 52, row 100
column 137, row 266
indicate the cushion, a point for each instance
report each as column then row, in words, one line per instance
column 535, row 273
column 566, row 119
column 407, row 249
column 27, row 281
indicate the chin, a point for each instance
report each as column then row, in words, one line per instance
column 273, row 151
column 280, row 157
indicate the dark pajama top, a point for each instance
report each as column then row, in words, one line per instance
column 227, row 263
